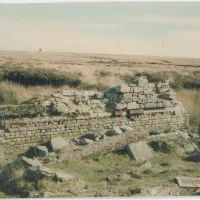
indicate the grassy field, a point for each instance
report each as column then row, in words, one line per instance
column 26, row 74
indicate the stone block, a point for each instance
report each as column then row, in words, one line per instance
column 132, row 106
column 188, row 182
column 123, row 88
column 120, row 106
column 140, row 151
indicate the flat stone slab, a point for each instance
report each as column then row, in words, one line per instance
column 188, row 182
column 140, row 151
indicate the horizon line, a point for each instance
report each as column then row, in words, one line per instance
column 112, row 54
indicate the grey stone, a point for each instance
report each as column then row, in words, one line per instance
column 31, row 162
column 99, row 95
column 68, row 92
column 26, row 162
column 123, row 88
column 133, row 105
column 121, row 106
column 57, row 143
column 40, row 172
column 2, row 153
column 126, row 128
column 146, row 165
column 95, row 134
column 83, row 141
column 141, row 81
column 142, row 99
column 41, row 151
column 140, row 151
column 161, row 191
column 188, row 182
column 63, row 177
column 115, row 131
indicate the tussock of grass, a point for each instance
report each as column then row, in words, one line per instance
column 191, row 99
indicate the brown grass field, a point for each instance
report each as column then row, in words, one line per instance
column 104, row 70
column 99, row 71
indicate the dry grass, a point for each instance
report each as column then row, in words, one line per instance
column 191, row 99
column 24, row 93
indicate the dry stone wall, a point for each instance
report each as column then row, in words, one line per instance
column 141, row 105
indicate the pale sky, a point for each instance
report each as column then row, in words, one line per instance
column 114, row 28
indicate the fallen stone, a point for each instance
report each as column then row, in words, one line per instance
column 2, row 153
column 41, row 151
column 161, row 191
column 115, row 131
column 146, row 165
column 140, row 151
column 188, row 182
column 126, row 128
column 63, row 177
column 40, row 172
column 57, row 143
column 94, row 134
column 83, row 141
column 31, row 162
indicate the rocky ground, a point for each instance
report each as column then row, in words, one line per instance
column 152, row 166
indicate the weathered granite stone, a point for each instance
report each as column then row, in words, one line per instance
column 132, row 105
column 40, row 172
column 126, row 128
column 140, row 151
column 188, row 182
column 146, row 165
column 161, row 191
column 63, row 177
column 57, row 143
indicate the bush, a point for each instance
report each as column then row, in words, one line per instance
column 37, row 76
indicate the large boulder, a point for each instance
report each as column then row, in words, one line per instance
column 57, row 143
column 140, row 151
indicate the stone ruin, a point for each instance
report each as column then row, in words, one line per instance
column 141, row 105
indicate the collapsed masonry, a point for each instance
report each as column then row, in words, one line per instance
column 142, row 105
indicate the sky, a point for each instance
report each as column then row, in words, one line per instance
column 156, row 29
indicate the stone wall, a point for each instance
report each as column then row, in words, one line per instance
column 141, row 105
